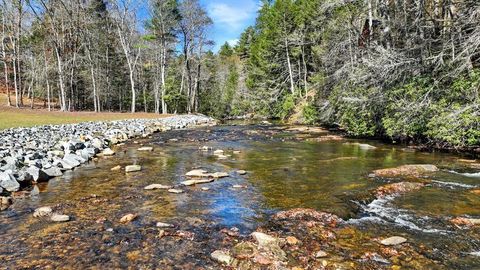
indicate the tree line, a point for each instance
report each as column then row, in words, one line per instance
column 100, row 55
column 403, row 69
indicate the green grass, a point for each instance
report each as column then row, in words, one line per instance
column 24, row 117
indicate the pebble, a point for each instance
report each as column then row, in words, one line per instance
column 176, row 191
column 205, row 189
column 146, row 148
column 127, row 218
column 394, row 240
column 291, row 240
column 321, row 254
column 116, row 168
column 133, row 168
column 242, row 172
column 164, row 225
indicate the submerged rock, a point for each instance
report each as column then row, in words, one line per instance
column 398, row 188
column 394, row 240
column 133, row 168
column 406, row 170
column 220, row 175
column 264, row 239
column 244, row 250
column 467, row 222
column 221, row 257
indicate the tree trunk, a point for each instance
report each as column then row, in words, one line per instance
column 63, row 104
column 290, row 72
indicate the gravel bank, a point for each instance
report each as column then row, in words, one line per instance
column 30, row 155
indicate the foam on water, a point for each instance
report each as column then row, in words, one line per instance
column 474, row 175
column 474, row 253
column 453, row 184
column 380, row 212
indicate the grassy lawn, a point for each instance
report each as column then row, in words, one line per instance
column 25, row 117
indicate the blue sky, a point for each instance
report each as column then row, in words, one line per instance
column 230, row 18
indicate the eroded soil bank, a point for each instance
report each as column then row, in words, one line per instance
column 291, row 198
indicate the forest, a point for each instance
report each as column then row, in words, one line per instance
column 399, row 69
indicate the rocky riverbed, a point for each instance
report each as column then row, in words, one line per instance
column 250, row 197
column 37, row 154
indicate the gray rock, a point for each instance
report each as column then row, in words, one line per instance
column 8, row 182
column 59, row 218
column 53, row 171
column 133, row 168
column 71, row 160
column 394, row 240
column 37, row 174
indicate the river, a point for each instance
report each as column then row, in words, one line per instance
column 285, row 168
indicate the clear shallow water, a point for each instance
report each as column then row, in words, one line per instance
column 286, row 169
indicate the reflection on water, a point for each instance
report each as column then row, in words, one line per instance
column 284, row 171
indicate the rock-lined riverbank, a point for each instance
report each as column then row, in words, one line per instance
column 30, row 155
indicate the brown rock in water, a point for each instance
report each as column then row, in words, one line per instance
column 397, row 188
column 406, row 170
column 306, row 214
column 326, row 138
column 466, row 222
column 127, row 218
column 291, row 240
column 5, row 202
column 116, row 168
column 244, row 250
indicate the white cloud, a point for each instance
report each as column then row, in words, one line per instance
column 232, row 16
column 233, row 42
